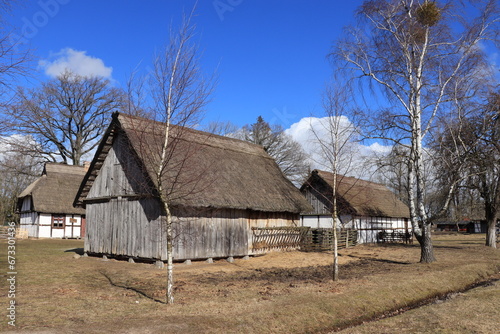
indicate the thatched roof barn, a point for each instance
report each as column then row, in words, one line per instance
column 218, row 187
column 46, row 206
column 367, row 206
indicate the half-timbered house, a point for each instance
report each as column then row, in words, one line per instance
column 46, row 206
column 369, row 207
column 218, row 189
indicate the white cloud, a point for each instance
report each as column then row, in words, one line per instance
column 76, row 61
column 308, row 129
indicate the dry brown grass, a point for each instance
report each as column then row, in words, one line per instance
column 277, row 293
column 475, row 311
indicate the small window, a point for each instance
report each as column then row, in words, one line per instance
column 57, row 221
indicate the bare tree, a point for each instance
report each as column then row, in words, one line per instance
column 487, row 157
column 392, row 170
column 17, row 171
column 336, row 138
column 15, row 61
column 179, row 92
column 65, row 116
column 287, row 153
column 423, row 56
column 479, row 137
column 227, row 128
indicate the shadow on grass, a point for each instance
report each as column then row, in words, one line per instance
column 139, row 292
column 78, row 251
column 380, row 260
column 448, row 247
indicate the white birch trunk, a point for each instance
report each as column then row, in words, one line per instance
column 335, row 237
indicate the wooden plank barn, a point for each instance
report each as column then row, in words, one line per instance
column 46, row 206
column 369, row 207
column 219, row 189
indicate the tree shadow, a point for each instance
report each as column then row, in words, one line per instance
column 448, row 247
column 139, row 292
column 380, row 260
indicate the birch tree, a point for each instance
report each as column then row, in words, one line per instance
column 174, row 93
column 421, row 55
column 336, row 138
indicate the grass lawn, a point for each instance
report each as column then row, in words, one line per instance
column 288, row 292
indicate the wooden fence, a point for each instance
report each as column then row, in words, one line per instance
column 395, row 235
column 321, row 239
column 304, row 238
column 277, row 238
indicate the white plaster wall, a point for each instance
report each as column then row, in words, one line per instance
column 72, row 228
column 319, row 221
column 45, row 225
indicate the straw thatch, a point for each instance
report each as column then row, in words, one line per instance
column 203, row 170
column 355, row 197
column 55, row 189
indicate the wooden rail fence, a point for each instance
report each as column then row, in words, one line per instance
column 303, row 238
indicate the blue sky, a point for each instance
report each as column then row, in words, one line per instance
column 270, row 55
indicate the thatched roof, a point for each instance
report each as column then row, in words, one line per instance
column 203, row 170
column 55, row 189
column 358, row 197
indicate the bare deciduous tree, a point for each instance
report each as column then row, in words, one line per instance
column 336, row 138
column 66, row 116
column 227, row 128
column 17, row 171
column 287, row 153
column 175, row 94
column 479, row 137
column 423, row 55
column 15, row 61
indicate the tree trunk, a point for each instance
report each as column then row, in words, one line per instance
column 491, row 236
column 426, row 248
column 490, row 208
column 334, row 216
column 335, row 251
column 170, row 264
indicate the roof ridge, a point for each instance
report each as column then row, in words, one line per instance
column 250, row 148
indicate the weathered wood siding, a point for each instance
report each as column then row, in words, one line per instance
column 119, row 223
column 318, row 200
column 119, row 175
column 134, row 228
column 122, row 227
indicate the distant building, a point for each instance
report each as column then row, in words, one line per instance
column 369, row 207
column 46, row 206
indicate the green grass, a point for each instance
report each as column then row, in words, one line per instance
column 277, row 293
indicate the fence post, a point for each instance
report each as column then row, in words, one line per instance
column 347, row 239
